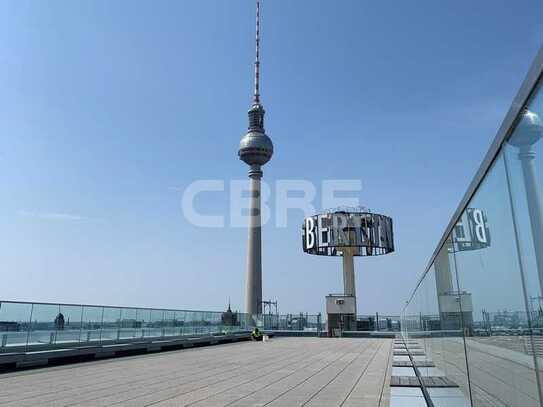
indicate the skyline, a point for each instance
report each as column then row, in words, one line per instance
column 94, row 157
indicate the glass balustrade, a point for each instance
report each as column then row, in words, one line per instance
column 42, row 326
column 477, row 310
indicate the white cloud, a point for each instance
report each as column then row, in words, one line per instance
column 53, row 216
column 176, row 189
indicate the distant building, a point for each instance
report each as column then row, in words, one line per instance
column 229, row 318
column 9, row 326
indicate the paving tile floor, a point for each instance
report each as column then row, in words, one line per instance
column 315, row 372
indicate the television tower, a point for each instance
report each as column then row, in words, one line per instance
column 255, row 149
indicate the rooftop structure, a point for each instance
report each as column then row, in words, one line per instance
column 346, row 233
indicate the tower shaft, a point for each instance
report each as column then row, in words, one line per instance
column 253, row 284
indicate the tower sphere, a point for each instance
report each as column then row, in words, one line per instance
column 529, row 130
column 255, row 148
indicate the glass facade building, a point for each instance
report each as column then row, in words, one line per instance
column 478, row 307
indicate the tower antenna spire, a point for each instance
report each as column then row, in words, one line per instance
column 256, row 98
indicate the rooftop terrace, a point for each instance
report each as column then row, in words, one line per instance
column 281, row 372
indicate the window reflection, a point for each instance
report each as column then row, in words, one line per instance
column 491, row 274
column 455, row 316
column 479, row 308
column 525, row 177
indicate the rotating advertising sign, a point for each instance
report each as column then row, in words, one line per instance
column 362, row 233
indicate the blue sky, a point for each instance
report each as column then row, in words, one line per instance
column 108, row 110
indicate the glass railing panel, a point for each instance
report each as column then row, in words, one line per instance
column 180, row 317
column 271, row 321
column 223, row 327
column 389, row 323
column 91, row 324
column 211, row 323
column 524, row 152
column 242, row 321
column 170, row 323
column 179, row 325
column 219, row 326
column 197, row 322
column 432, row 335
column 493, row 298
column 228, row 322
column 232, row 322
column 433, row 322
column 128, row 324
column 309, row 323
column 187, row 323
column 283, row 322
column 214, row 321
column 111, row 324
column 191, row 322
column 454, row 318
column 46, row 320
column 14, row 324
column 139, row 324
column 156, row 323
column 217, row 322
column 70, row 331
column 247, row 321
column 147, row 328
column 197, row 319
column 205, row 322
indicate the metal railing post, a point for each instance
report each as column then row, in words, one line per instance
column 135, row 324
column 81, row 324
column 101, row 324
column 29, row 327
